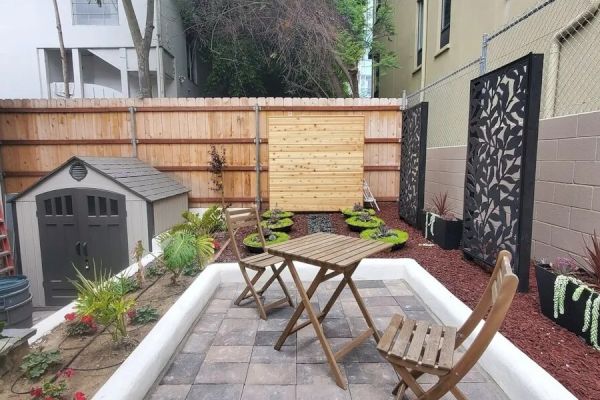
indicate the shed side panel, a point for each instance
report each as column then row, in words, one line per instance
column 30, row 250
column 137, row 224
column 167, row 212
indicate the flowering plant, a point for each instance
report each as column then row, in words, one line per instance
column 54, row 388
column 80, row 326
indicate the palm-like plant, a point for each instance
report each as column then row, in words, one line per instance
column 179, row 251
column 102, row 297
column 210, row 221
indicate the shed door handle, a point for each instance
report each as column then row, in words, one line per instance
column 85, row 252
column 78, row 248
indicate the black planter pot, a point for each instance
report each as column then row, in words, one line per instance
column 574, row 314
column 255, row 250
column 355, row 228
column 421, row 215
column 446, row 233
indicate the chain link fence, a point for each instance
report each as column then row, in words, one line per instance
column 567, row 32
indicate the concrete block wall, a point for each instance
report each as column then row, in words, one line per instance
column 567, row 192
column 567, row 189
column 445, row 172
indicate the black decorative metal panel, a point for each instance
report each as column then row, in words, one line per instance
column 412, row 162
column 501, row 159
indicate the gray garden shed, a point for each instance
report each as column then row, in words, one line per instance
column 90, row 211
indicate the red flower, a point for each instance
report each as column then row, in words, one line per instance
column 88, row 320
column 79, row 396
column 67, row 373
column 132, row 313
column 216, row 245
column 70, row 316
column 36, row 392
column 49, row 398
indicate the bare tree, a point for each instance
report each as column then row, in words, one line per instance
column 141, row 43
column 63, row 52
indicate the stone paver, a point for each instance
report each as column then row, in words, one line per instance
column 229, row 353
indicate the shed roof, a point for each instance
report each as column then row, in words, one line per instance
column 129, row 172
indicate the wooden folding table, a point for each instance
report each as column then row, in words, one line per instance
column 334, row 255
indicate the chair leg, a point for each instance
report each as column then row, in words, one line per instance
column 409, row 380
column 244, row 294
column 277, row 273
column 458, row 394
column 250, row 286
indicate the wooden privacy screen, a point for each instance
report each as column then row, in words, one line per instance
column 175, row 135
column 315, row 162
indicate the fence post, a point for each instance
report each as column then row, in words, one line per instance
column 484, row 49
column 257, row 143
column 133, row 131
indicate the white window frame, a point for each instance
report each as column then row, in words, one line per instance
column 441, row 25
column 102, row 19
column 419, row 32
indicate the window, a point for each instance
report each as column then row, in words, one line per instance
column 89, row 12
column 445, row 28
column 419, row 32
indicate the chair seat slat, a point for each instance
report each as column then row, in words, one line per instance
column 417, row 343
column 432, row 346
column 447, row 350
column 390, row 333
column 399, row 347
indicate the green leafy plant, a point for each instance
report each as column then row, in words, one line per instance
column 277, row 213
column 275, row 224
column 179, row 251
column 143, row 315
column 104, row 299
column 271, row 237
column 36, row 363
column 211, row 221
column 356, row 210
column 54, row 388
column 364, row 221
column 126, row 284
column 384, row 234
column 155, row 270
column 217, row 166
column 80, row 326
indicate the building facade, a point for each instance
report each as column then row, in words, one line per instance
column 101, row 56
column 435, row 37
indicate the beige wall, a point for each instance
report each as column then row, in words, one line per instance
column 167, row 212
column 470, row 19
column 567, row 189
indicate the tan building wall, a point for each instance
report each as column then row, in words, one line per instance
column 469, row 20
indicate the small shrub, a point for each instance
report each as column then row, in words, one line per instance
column 179, row 251
column 127, row 284
column 191, row 270
column 441, row 206
column 155, row 271
column 36, row 363
column 563, row 266
column 217, row 165
column 591, row 264
column 143, row 315
column 211, row 221
column 80, row 326
column 54, row 388
column 277, row 213
column 104, row 299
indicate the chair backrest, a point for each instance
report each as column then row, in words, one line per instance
column 494, row 303
column 242, row 218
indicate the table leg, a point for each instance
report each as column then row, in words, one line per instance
column 361, row 304
column 292, row 322
column 318, row 328
column 331, row 301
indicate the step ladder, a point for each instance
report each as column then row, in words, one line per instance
column 7, row 264
column 368, row 196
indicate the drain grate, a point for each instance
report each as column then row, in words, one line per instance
column 319, row 223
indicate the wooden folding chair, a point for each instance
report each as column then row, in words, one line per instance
column 415, row 348
column 248, row 217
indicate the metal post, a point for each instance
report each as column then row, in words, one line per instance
column 257, row 143
column 484, row 48
column 133, row 133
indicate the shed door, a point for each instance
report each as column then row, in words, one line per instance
column 79, row 227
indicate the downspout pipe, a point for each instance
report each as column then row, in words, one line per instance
column 160, row 81
column 424, row 50
column 554, row 55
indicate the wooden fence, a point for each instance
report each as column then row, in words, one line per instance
column 175, row 135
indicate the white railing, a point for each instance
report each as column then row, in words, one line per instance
column 90, row 91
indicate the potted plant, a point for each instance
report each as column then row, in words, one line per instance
column 384, row 234
column 254, row 244
column 440, row 226
column 363, row 221
column 356, row 210
column 278, row 224
column 568, row 293
column 277, row 213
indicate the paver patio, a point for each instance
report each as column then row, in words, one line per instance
column 229, row 353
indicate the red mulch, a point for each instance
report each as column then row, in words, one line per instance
column 563, row 354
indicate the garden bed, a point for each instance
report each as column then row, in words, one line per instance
column 94, row 358
column 563, row 354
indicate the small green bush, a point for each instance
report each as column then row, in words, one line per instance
column 383, row 234
column 179, row 251
column 276, row 225
column 253, row 240
column 277, row 213
column 364, row 221
column 353, row 212
column 36, row 363
column 143, row 315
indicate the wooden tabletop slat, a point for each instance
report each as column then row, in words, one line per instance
column 447, row 349
column 432, row 346
column 417, row 342
column 340, row 245
column 390, row 333
column 399, row 348
column 307, row 248
column 359, row 247
column 353, row 259
column 291, row 244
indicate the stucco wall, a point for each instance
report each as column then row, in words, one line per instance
column 445, row 173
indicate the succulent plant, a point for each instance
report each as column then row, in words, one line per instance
column 563, row 266
column 383, row 231
column 357, row 207
column 365, row 217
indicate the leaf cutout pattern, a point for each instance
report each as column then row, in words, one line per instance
column 493, row 185
column 412, row 162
